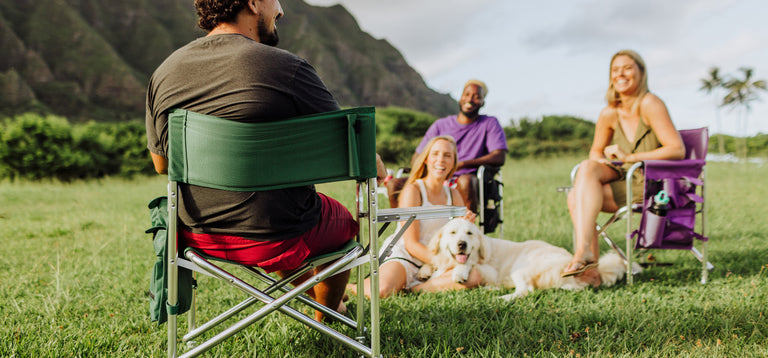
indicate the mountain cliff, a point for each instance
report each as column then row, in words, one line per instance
column 92, row 59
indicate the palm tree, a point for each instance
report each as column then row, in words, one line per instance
column 712, row 85
column 741, row 92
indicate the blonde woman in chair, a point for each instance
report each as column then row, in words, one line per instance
column 424, row 187
column 634, row 126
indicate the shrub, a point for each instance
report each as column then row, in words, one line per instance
column 123, row 147
column 552, row 135
column 527, row 147
column 37, row 147
column 398, row 133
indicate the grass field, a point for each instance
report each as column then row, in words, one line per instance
column 74, row 274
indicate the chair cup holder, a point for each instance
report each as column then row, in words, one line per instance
column 653, row 230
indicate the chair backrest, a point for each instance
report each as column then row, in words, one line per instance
column 224, row 154
column 696, row 142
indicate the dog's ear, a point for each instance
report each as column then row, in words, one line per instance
column 485, row 249
column 434, row 243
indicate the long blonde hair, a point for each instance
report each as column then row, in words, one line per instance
column 419, row 168
column 612, row 97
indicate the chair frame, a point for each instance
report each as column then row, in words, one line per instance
column 482, row 202
column 626, row 211
column 354, row 256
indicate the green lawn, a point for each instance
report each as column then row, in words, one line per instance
column 74, row 273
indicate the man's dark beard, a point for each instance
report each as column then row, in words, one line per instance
column 472, row 114
column 267, row 36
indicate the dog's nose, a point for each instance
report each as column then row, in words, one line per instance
column 462, row 245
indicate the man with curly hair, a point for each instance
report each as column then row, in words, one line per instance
column 236, row 73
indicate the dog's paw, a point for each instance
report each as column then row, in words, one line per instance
column 425, row 272
column 460, row 274
column 508, row 298
column 513, row 296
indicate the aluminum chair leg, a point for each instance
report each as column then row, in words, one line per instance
column 195, row 332
column 360, row 302
column 375, row 350
column 707, row 265
column 501, row 207
column 274, row 286
column 360, row 212
column 173, row 268
column 481, row 196
column 618, row 250
column 601, row 232
column 481, row 202
column 191, row 319
column 279, row 285
column 172, row 335
column 276, row 304
column 618, row 215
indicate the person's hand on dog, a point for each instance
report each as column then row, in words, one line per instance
column 470, row 216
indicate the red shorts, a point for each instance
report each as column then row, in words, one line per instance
column 335, row 228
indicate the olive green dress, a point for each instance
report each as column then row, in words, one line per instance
column 645, row 141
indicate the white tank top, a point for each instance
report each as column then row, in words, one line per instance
column 427, row 228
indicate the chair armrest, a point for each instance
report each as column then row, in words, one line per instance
column 420, row 213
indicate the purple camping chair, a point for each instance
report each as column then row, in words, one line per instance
column 683, row 181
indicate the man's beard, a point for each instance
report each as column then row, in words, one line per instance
column 472, row 114
column 267, row 36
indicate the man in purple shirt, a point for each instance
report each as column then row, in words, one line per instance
column 480, row 140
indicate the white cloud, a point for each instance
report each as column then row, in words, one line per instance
column 551, row 57
column 619, row 24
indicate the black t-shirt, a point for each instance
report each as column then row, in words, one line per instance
column 233, row 77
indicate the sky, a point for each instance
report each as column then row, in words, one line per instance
column 549, row 57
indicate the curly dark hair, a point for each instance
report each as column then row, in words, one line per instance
column 213, row 12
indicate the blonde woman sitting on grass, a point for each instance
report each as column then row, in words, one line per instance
column 425, row 187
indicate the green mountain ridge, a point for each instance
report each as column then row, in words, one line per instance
column 91, row 59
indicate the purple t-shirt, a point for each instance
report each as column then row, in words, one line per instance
column 473, row 140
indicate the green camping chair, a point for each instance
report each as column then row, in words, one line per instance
column 229, row 155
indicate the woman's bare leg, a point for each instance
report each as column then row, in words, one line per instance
column 392, row 279
column 590, row 195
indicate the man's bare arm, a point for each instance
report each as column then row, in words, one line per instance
column 161, row 163
column 495, row 158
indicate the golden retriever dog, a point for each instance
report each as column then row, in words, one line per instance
column 460, row 245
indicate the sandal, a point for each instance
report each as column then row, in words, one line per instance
column 581, row 266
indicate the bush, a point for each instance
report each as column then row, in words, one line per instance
column 123, row 147
column 527, row 147
column 552, row 135
column 553, row 128
column 399, row 132
column 37, row 147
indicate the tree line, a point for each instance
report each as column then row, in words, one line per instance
column 37, row 146
column 736, row 93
